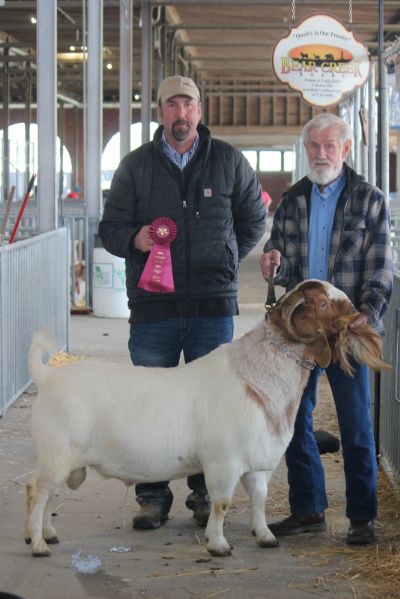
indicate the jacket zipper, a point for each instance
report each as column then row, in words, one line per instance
column 187, row 247
column 198, row 202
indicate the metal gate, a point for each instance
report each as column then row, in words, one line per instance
column 34, row 292
column 390, row 384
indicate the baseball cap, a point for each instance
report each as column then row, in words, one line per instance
column 177, row 86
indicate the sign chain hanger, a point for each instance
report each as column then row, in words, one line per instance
column 350, row 12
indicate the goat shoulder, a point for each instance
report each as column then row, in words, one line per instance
column 269, row 376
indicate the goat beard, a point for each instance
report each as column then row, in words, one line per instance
column 362, row 343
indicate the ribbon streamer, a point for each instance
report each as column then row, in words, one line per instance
column 157, row 274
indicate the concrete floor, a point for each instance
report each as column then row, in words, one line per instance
column 94, row 522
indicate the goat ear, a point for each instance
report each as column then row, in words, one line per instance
column 308, row 330
column 320, row 348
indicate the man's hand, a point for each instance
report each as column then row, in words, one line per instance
column 143, row 241
column 359, row 321
column 271, row 258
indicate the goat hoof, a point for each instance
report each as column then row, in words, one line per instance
column 28, row 540
column 266, row 540
column 220, row 550
column 41, row 553
column 52, row 540
column 41, row 550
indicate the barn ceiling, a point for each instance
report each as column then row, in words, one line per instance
column 225, row 46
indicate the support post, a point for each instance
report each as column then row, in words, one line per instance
column 47, row 114
column 146, row 70
column 94, row 125
column 125, row 75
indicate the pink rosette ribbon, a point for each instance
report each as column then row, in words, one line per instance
column 157, row 274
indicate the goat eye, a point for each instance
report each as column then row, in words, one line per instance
column 322, row 305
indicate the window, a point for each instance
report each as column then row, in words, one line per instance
column 18, row 154
column 251, row 156
column 271, row 160
column 288, row 161
column 111, row 157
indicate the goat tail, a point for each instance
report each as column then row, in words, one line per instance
column 42, row 343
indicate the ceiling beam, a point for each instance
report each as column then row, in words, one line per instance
column 77, row 4
column 277, row 25
column 318, row 3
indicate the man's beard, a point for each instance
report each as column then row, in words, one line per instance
column 180, row 134
column 324, row 174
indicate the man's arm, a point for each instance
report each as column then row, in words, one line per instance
column 117, row 228
column 248, row 208
column 377, row 287
column 274, row 249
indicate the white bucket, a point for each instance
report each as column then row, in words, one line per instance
column 109, row 289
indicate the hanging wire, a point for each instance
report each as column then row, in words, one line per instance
column 293, row 11
column 350, row 14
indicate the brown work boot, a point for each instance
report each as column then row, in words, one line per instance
column 299, row 523
column 361, row 532
column 201, row 506
column 150, row 516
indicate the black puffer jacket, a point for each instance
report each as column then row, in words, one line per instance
column 215, row 202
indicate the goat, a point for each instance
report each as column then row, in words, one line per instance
column 229, row 414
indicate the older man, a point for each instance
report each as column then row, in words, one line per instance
column 211, row 198
column 332, row 225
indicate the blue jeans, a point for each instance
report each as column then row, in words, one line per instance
column 305, row 472
column 160, row 343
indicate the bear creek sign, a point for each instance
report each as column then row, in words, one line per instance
column 321, row 59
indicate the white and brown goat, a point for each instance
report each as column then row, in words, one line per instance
column 229, row 414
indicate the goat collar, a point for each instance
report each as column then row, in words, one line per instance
column 291, row 353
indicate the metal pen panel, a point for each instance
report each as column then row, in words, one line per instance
column 390, row 391
column 34, row 292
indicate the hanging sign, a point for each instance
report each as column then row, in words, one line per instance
column 321, row 59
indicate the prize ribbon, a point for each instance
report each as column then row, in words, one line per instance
column 157, row 274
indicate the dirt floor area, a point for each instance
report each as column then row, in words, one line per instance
column 101, row 556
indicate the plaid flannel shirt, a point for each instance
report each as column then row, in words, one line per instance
column 360, row 257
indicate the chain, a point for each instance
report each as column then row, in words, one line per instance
column 290, row 353
column 293, row 11
column 350, row 14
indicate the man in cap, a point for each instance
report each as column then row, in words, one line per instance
column 209, row 192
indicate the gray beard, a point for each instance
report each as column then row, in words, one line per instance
column 179, row 134
column 324, row 175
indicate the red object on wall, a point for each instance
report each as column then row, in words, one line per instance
column 22, row 208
